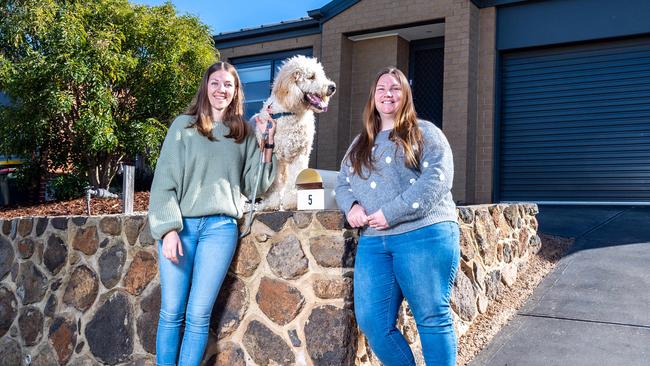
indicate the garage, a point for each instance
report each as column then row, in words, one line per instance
column 575, row 123
column 572, row 109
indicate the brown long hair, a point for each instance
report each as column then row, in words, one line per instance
column 201, row 110
column 405, row 130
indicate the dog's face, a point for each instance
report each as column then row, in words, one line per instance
column 301, row 84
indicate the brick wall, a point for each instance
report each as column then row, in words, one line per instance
column 403, row 50
column 368, row 57
column 485, row 106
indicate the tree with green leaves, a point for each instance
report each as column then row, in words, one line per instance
column 92, row 83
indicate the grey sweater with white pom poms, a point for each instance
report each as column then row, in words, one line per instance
column 410, row 199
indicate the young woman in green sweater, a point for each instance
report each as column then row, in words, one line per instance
column 209, row 158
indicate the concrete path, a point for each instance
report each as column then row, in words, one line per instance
column 594, row 307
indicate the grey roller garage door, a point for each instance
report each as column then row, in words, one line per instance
column 575, row 124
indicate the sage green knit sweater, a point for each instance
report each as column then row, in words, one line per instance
column 198, row 177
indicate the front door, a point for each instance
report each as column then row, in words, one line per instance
column 426, row 68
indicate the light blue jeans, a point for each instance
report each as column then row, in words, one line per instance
column 190, row 288
column 420, row 265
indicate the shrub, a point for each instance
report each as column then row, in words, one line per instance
column 68, row 186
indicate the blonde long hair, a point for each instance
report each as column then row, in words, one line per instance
column 201, row 110
column 405, row 129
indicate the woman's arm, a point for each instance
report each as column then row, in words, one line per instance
column 164, row 210
column 254, row 155
column 345, row 199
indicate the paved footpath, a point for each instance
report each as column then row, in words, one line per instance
column 594, row 307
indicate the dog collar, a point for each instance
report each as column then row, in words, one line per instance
column 281, row 114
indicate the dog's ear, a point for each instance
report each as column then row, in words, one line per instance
column 282, row 86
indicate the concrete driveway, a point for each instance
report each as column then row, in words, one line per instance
column 594, row 307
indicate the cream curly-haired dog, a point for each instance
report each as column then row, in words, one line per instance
column 300, row 89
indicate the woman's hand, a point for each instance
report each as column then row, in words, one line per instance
column 357, row 216
column 377, row 220
column 262, row 124
column 171, row 246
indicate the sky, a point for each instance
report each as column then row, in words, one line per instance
column 233, row 15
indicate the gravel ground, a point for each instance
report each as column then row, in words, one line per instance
column 501, row 310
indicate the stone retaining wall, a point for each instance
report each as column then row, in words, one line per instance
column 84, row 290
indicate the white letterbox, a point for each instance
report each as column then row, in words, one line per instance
column 316, row 189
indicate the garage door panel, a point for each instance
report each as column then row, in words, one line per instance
column 638, row 121
column 578, row 72
column 611, row 94
column 580, row 153
column 580, row 81
column 557, row 120
column 556, row 133
column 578, row 63
column 573, row 89
column 604, row 73
column 581, row 107
column 582, row 170
column 585, row 190
column 568, row 186
column 592, row 112
column 574, row 54
column 540, row 71
column 559, row 161
column 581, row 140
column 578, row 196
column 591, row 93
column 571, row 174
column 582, row 157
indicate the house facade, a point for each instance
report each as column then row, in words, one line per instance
column 545, row 101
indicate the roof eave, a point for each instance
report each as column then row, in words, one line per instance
column 490, row 3
column 267, row 33
column 331, row 9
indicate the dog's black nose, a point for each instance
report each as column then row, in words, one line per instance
column 331, row 89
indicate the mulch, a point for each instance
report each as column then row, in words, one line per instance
column 98, row 206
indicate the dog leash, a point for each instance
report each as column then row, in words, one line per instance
column 249, row 219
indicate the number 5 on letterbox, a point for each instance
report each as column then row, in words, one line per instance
column 310, row 190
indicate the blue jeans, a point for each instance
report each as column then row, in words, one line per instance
column 421, row 266
column 209, row 244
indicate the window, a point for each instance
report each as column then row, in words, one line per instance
column 257, row 73
column 256, row 80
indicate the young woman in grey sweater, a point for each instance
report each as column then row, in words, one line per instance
column 395, row 185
